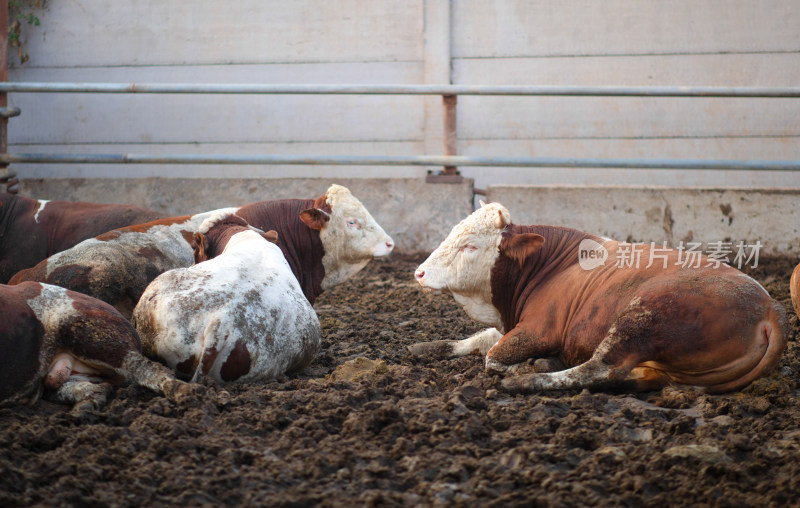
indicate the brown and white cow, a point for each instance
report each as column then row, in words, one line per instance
column 74, row 346
column 237, row 315
column 794, row 289
column 325, row 241
column 616, row 325
column 117, row 266
column 33, row 229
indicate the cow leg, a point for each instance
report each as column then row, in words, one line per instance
column 477, row 344
column 514, row 349
column 613, row 364
column 84, row 394
column 157, row 377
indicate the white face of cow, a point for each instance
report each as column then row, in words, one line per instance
column 462, row 264
column 350, row 237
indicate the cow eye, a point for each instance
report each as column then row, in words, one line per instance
column 468, row 248
column 353, row 223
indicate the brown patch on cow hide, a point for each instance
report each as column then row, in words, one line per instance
column 97, row 331
column 238, row 363
column 301, row 245
column 513, row 283
column 21, row 344
column 209, row 357
column 187, row 368
column 149, row 253
column 143, row 228
column 322, row 203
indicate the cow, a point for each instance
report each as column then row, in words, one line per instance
column 72, row 347
column 551, row 296
column 325, row 241
column 32, row 229
column 117, row 266
column 237, row 315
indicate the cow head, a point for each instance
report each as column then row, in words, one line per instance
column 462, row 264
column 349, row 234
column 213, row 234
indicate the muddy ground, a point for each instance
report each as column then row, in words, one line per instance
column 369, row 425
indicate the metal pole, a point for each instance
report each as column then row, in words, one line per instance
column 345, row 89
column 407, row 160
column 6, row 175
column 449, row 142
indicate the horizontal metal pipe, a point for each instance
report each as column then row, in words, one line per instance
column 344, row 89
column 412, row 160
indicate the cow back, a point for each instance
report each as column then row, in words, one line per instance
column 301, row 245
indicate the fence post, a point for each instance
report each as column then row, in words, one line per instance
column 449, row 142
column 6, row 175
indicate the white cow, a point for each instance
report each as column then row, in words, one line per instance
column 240, row 315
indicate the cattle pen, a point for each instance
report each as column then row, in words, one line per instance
column 672, row 124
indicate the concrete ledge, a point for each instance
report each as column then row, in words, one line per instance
column 653, row 214
column 417, row 215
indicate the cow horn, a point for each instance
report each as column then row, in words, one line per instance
column 502, row 220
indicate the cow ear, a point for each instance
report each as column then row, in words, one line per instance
column 200, row 247
column 519, row 247
column 314, row 218
column 502, row 220
column 271, row 236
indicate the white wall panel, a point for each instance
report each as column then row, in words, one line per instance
column 156, row 32
column 181, row 118
column 503, row 28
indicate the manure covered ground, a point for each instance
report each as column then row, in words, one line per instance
column 367, row 424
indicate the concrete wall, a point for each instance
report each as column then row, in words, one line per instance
column 663, row 214
column 580, row 42
column 417, row 215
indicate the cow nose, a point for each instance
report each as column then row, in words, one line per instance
column 389, row 244
column 419, row 275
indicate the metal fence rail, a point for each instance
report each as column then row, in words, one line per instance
column 410, row 160
column 449, row 94
column 344, row 89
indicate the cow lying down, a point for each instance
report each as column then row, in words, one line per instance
column 73, row 345
column 116, row 267
column 237, row 315
column 630, row 327
column 325, row 240
column 33, row 229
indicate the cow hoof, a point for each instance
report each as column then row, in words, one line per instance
column 437, row 350
column 544, row 365
column 495, row 368
column 518, row 384
column 182, row 393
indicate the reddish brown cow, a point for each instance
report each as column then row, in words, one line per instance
column 636, row 324
column 31, row 229
column 73, row 345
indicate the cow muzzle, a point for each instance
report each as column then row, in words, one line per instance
column 420, row 275
column 383, row 248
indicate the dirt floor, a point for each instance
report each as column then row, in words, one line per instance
column 369, row 425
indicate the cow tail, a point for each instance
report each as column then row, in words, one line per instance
column 775, row 331
column 794, row 289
